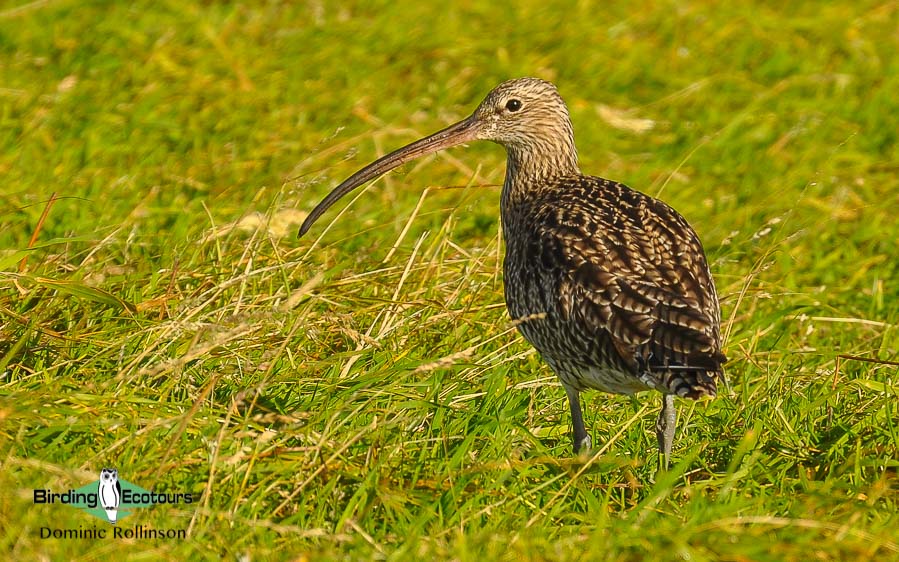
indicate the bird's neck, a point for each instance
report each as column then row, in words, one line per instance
column 529, row 169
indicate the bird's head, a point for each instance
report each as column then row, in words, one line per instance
column 523, row 112
column 525, row 115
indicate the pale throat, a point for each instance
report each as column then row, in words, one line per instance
column 529, row 166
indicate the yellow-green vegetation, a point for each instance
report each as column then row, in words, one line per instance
column 361, row 393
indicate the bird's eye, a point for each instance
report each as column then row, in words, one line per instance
column 513, row 105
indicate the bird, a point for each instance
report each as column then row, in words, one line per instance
column 110, row 492
column 610, row 285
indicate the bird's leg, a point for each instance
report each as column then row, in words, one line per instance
column 665, row 426
column 582, row 443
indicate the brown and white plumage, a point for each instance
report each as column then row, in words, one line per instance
column 611, row 286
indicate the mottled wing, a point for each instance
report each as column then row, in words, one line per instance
column 633, row 272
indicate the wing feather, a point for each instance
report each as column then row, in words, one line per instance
column 631, row 269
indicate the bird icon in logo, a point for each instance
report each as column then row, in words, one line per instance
column 110, row 492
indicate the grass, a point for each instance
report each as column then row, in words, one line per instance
column 361, row 393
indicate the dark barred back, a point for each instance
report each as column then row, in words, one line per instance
column 623, row 282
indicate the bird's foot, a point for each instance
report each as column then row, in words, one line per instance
column 583, row 446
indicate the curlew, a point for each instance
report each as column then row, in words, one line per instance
column 610, row 285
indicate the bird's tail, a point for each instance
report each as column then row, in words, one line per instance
column 691, row 382
column 697, row 379
column 693, row 376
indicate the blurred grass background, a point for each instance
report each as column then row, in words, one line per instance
column 360, row 393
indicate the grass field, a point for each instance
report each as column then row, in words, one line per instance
column 361, row 393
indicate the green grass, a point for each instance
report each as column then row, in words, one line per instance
column 361, row 393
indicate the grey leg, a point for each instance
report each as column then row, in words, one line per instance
column 665, row 426
column 582, row 443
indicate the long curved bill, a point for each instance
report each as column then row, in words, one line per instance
column 463, row 131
